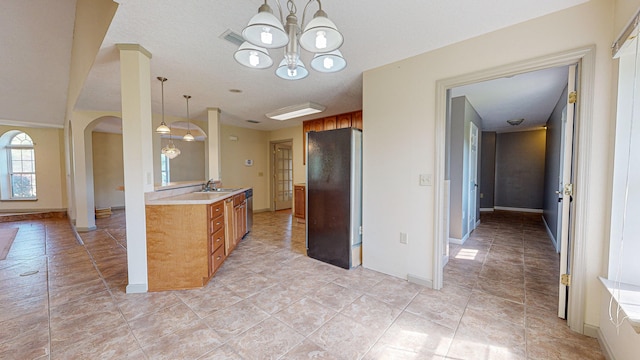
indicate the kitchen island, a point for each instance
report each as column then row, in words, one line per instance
column 190, row 234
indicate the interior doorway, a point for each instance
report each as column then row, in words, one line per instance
column 282, row 178
column 516, row 177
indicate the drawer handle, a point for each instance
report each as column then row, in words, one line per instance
column 219, row 257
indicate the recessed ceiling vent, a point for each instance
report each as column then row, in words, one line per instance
column 232, row 37
column 253, row 121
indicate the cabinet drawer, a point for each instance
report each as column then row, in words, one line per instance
column 238, row 199
column 217, row 240
column 217, row 258
column 216, row 224
column 216, row 210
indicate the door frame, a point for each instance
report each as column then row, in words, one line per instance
column 585, row 56
column 472, row 201
column 271, row 173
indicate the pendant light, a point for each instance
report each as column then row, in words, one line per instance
column 188, row 136
column 163, row 128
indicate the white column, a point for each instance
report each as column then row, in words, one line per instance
column 138, row 156
column 212, row 145
column 83, row 180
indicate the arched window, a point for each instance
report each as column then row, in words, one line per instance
column 21, row 166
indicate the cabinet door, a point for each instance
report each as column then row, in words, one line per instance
column 330, row 123
column 299, row 202
column 356, row 120
column 344, row 121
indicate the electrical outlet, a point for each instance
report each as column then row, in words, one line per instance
column 404, row 238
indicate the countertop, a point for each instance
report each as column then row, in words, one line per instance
column 195, row 198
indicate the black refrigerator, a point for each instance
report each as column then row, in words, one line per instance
column 334, row 197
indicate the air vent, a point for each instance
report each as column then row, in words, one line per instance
column 232, row 37
column 253, row 121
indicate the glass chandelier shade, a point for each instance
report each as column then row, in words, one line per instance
column 163, row 128
column 265, row 31
column 253, row 56
column 188, row 136
column 329, row 62
column 298, row 72
column 321, row 34
column 170, row 151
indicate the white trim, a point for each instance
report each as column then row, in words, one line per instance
column 477, row 223
column 459, row 241
column 584, row 55
column 604, row 345
column 486, row 209
column 553, row 239
column 527, row 210
column 591, row 331
column 420, row 281
column 85, row 229
column 136, row 288
column 27, row 124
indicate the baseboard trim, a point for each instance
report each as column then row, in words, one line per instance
column 604, row 345
column 506, row 208
column 86, row 229
column 420, row 281
column 486, row 209
column 137, row 288
column 553, row 239
column 459, row 241
column 591, row 330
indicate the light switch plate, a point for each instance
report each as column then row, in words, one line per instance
column 425, row 179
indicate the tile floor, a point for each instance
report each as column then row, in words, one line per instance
column 62, row 300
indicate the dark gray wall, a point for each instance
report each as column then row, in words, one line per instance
column 488, row 169
column 520, row 158
column 462, row 115
column 552, row 165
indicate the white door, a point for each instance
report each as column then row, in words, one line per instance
column 565, row 191
column 282, row 176
column 473, row 177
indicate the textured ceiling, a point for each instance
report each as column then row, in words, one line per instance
column 184, row 38
column 531, row 96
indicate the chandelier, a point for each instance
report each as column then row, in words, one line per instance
column 265, row 31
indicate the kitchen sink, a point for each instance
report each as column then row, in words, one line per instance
column 220, row 190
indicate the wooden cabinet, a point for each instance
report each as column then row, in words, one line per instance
column 344, row 121
column 356, row 120
column 299, row 196
column 216, row 236
column 330, row 123
column 240, row 217
column 347, row 120
column 184, row 245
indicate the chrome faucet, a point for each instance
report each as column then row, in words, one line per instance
column 210, row 186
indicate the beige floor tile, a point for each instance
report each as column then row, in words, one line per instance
column 232, row 321
column 224, row 352
column 190, row 342
column 269, row 339
column 308, row 351
column 344, row 337
column 371, row 312
column 335, row 296
column 151, row 327
column 305, row 316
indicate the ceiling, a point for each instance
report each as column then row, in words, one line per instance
column 184, row 38
column 530, row 96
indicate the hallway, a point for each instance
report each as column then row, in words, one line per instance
column 268, row 301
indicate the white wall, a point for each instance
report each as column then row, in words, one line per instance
column 250, row 145
column 396, row 152
column 462, row 115
column 50, row 180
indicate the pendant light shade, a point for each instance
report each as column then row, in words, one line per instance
column 329, row 62
column 171, row 151
column 265, row 30
column 321, row 34
column 188, row 136
column 163, row 128
column 253, row 56
column 299, row 72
